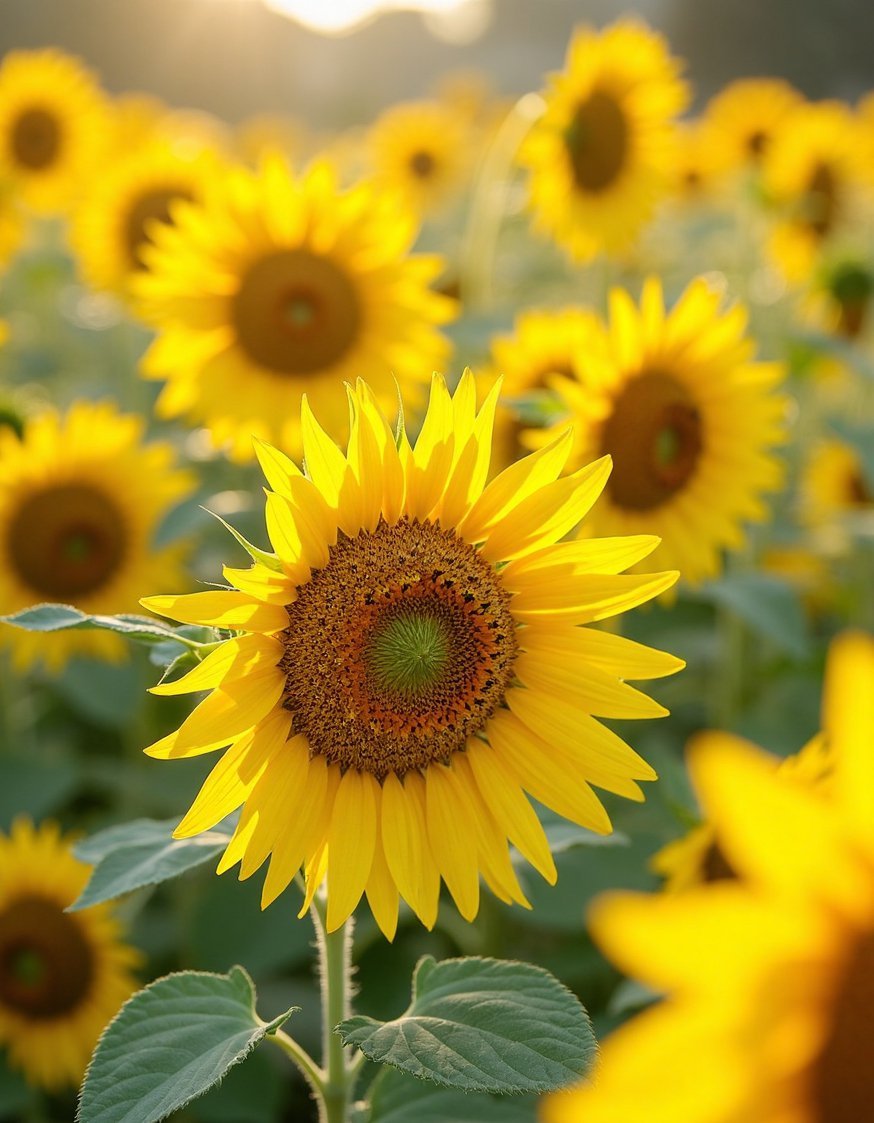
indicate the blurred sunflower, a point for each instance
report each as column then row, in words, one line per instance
column 267, row 133
column 697, row 858
column 139, row 121
column 813, row 172
column 839, row 298
column 744, row 119
column 834, row 484
column 53, row 121
column 689, row 419
column 601, row 156
column 80, row 500
column 63, row 975
column 543, row 344
column 115, row 222
column 771, row 977
column 422, row 150
column 277, row 286
column 380, row 733
column 698, row 166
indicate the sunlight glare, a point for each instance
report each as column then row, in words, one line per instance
column 335, row 17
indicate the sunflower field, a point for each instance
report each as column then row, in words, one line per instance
column 456, row 531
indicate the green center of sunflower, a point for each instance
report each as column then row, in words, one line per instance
column 655, row 436
column 597, row 141
column 150, row 207
column 842, row 1077
column 35, row 139
column 46, row 962
column 398, row 650
column 422, row 164
column 408, row 652
column 296, row 313
column 67, row 541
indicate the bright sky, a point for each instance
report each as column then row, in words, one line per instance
column 455, row 19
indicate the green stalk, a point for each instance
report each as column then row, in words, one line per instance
column 332, row 1082
column 335, row 970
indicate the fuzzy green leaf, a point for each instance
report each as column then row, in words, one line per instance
column 169, row 1044
column 143, row 852
column 483, row 1025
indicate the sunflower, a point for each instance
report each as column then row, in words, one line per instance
column 139, row 121
column 600, row 157
column 422, row 150
column 114, row 224
column 53, row 119
column 835, row 484
column 814, row 173
column 80, row 500
column 278, row 286
column 770, row 977
column 543, row 344
column 839, row 299
column 63, row 975
column 697, row 858
column 744, row 119
column 410, row 662
column 698, row 164
column 268, row 132
column 689, row 419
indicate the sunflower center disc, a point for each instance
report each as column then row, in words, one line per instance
column 46, row 963
column 842, row 1076
column 152, row 205
column 757, row 142
column 715, row 866
column 36, row 139
column 398, row 650
column 597, row 141
column 422, row 165
column 296, row 312
column 67, row 541
column 654, row 435
column 821, row 200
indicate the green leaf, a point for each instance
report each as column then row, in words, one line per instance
column 768, row 606
column 59, row 617
column 132, row 855
column 270, row 561
column 169, row 1044
column 397, row 1098
column 482, row 1025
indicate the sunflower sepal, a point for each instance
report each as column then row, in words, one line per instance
column 138, row 1070
column 509, row 1027
column 260, row 557
column 141, row 853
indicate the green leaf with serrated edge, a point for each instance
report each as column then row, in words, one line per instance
column 397, row 1098
column 269, row 561
column 482, row 1025
column 132, row 855
column 169, row 1044
column 59, row 617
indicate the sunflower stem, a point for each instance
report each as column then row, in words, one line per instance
column 489, row 203
column 335, row 970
